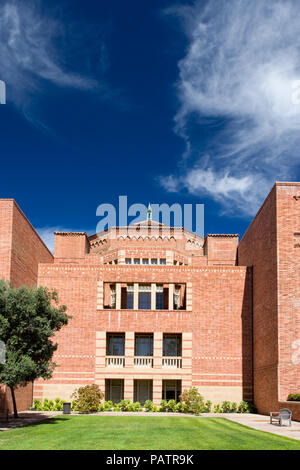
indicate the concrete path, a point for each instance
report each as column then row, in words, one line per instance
column 262, row 423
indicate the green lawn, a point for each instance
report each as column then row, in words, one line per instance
column 134, row 432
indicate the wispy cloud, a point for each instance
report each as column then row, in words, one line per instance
column 28, row 56
column 242, row 59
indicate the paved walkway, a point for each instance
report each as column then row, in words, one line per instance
column 255, row 421
column 262, row 423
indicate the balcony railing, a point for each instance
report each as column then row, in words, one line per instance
column 143, row 361
column 115, row 361
column 172, row 362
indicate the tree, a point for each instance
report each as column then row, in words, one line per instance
column 29, row 317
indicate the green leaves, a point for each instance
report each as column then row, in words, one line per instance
column 29, row 318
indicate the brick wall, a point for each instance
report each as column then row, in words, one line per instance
column 21, row 250
column 270, row 246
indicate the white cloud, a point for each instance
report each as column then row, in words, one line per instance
column 241, row 62
column 28, row 55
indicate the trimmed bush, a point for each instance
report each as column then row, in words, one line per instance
column 148, row 405
column 171, row 406
column 163, row 406
column 88, row 398
column 192, row 400
column 294, row 397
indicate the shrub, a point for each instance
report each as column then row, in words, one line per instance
column 148, row 405
column 233, row 407
column 124, row 405
column 163, row 406
column 74, row 406
column 192, row 400
column 294, row 397
column 243, row 407
column 207, row 407
column 108, row 405
column 37, row 405
column 226, row 406
column 135, row 406
column 217, row 408
column 171, row 405
column 88, row 398
column 179, row 407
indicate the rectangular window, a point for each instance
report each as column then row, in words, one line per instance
column 114, row 390
column 159, row 297
column 115, row 344
column 129, row 297
column 145, row 261
column 162, row 261
column 144, row 296
column 172, row 345
column 143, row 345
column 136, row 260
column 128, row 261
column 153, row 261
column 143, row 390
column 171, row 390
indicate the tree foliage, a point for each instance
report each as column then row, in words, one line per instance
column 29, row 318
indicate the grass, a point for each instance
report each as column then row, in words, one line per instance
column 134, row 432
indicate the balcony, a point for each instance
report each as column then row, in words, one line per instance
column 143, row 361
column 115, row 361
column 172, row 362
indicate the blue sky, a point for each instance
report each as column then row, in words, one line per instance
column 162, row 101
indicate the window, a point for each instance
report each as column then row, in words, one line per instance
column 159, row 297
column 177, row 298
column 114, row 390
column 144, row 296
column 143, row 345
column 162, row 261
column 115, row 344
column 171, row 390
column 172, row 345
column 127, row 260
column 145, row 261
column 129, row 297
column 113, row 296
column 143, row 390
column 136, row 260
column 153, row 260
column 116, row 261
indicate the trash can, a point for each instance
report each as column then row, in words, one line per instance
column 66, row 408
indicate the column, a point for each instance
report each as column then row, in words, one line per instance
column 171, row 296
column 157, row 391
column 153, row 296
column 121, row 257
column 100, row 350
column 99, row 295
column 118, row 296
column 129, row 348
column 157, row 349
column 169, row 258
column 189, row 299
column 135, row 296
column 128, row 389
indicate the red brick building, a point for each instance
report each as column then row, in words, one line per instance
column 156, row 310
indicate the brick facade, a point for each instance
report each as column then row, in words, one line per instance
column 228, row 310
column 21, row 250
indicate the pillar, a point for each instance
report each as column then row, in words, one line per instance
column 135, row 296
column 171, row 296
column 153, row 296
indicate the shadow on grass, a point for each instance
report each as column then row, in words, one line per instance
column 21, row 422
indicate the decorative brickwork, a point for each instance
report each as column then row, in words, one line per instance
column 156, row 310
